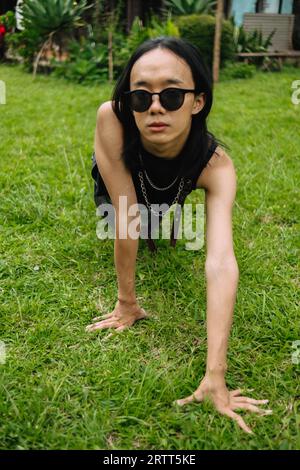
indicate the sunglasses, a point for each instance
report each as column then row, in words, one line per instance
column 170, row 98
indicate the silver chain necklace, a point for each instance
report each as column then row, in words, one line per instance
column 180, row 187
column 152, row 184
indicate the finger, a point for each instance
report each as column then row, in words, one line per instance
column 102, row 317
column 234, row 393
column 250, row 400
column 97, row 318
column 95, row 326
column 239, row 420
column 122, row 327
column 255, row 409
column 90, row 327
column 185, row 401
column 196, row 396
column 143, row 314
column 101, row 325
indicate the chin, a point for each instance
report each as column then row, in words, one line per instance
column 158, row 136
column 159, row 139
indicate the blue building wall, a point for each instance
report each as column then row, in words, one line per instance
column 287, row 6
column 239, row 7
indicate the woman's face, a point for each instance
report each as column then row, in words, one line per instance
column 154, row 71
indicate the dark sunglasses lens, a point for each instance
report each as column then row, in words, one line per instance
column 172, row 99
column 140, row 101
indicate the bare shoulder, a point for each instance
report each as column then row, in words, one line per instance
column 219, row 174
column 105, row 108
column 109, row 130
column 106, row 116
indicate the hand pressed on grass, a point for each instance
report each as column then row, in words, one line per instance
column 123, row 316
column 226, row 401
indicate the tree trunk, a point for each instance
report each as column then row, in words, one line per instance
column 227, row 8
column 217, row 42
column 134, row 8
column 7, row 5
column 296, row 31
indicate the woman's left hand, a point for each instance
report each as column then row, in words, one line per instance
column 225, row 401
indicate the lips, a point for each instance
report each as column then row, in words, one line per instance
column 158, row 124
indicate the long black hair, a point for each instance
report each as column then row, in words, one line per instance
column 199, row 138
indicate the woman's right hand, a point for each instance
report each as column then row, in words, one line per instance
column 124, row 315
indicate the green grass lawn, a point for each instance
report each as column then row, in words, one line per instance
column 62, row 388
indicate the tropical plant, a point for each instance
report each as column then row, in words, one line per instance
column 87, row 62
column 157, row 28
column 8, row 20
column 7, row 24
column 140, row 33
column 51, row 21
column 53, row 15
column 252, row 41
column 137, row 35
column 190, row 7
column 22, row 46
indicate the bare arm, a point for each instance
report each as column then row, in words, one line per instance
column 118, row 181
column 221, row 269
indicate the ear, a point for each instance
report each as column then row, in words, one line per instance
column 199, row 103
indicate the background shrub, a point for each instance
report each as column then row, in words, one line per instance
column 87, row 62
column 200, row 30
column 237, row 70
column 138, row 34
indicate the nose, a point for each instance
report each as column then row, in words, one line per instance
column 156, row 104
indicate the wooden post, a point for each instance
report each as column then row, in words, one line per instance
column 217, row 42
column 296, row 7
column 110, row 56
column 111, row 27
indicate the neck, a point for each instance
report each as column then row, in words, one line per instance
column 166, row 149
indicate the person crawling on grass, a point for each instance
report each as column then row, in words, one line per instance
column 152, row 146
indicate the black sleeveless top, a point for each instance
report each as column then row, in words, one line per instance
column 161, row 172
